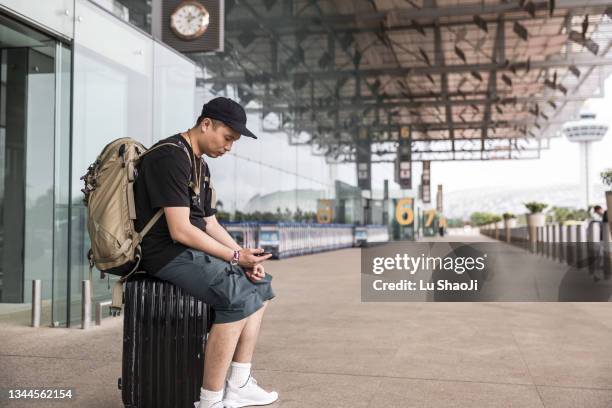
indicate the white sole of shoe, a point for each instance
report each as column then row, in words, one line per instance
column 247, row 403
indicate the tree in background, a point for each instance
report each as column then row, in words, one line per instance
column 563, row 214
column 482, row 218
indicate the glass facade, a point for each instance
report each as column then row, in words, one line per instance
column 136, row 12
column 119, row 84
column 70, row 89
column 34, row 131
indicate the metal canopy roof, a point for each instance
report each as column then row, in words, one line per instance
column 487, row 80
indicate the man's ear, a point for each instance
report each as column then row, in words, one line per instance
column 204, row 124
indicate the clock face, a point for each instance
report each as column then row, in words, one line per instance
column 190, row 20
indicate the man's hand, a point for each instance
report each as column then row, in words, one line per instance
column 248, row 259
column 255, row 274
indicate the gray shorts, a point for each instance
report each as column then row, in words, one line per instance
column 219, row 284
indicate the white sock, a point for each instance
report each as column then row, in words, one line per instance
column 239, row 373
column 208, row 398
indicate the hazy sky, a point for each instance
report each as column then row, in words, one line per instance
column 557, row 165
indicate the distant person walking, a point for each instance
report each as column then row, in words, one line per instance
column 600, row 213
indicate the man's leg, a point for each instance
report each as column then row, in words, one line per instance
column 227, row 339
column 220, row 348
column 242, row 390
column 248, row 338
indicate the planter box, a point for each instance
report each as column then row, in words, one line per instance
column 533, row 222
column 510, row 223
column 536, row 220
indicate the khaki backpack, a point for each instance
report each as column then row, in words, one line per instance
column 111, row 211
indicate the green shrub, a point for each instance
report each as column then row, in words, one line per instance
column 482, row 218
column 606, row 177
column 535, row 207
column 562, row 214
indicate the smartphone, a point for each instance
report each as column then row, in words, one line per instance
column 263, row 254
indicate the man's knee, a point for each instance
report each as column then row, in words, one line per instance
column 234, row 327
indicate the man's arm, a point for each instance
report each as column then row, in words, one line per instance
column 215, row 230
column 181, row 230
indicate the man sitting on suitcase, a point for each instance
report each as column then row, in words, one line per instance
column 189, row 248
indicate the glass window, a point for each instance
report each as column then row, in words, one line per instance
column 113, row 92
column 137, row 12
column 173, row 93
column 34, row 77
column 55, row 14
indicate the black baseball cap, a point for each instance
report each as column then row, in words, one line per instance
column 229, row 112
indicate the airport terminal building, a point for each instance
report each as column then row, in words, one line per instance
column 74, row 76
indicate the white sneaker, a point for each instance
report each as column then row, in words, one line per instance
column 247, row 395
column 218, row 404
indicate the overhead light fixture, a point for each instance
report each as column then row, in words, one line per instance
column 286, row 118
column 346, row 41
column 520, row 30
column 481, row 23
column 585, row 25
column 460, row 54
column 299, row 82
column 374, row 86
column 245, row 38
column 248, row 79
column 531, row 9
column 299, row 55
column 425, row 56
column 269, row 4
column 574, row 70
column 551, row 7
column 325, row 60
column 506, row 79
column 551, row 84
column 592, row 46
column 245, row 96
column 476, row 75
column 562, row 89
column 418, row 27
column 357, row 58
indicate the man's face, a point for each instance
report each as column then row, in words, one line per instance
column 215, row 142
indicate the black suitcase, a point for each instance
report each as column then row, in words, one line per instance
column 164, row 332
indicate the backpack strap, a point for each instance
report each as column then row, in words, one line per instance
column 168, row 144
column 150, row 224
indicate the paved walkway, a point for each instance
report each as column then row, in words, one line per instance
column 322, row 347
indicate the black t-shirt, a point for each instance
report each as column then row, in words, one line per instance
column 163, row 180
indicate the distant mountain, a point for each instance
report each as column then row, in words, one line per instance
column 462, row 203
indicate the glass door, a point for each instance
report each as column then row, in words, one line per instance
column 34, row 139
